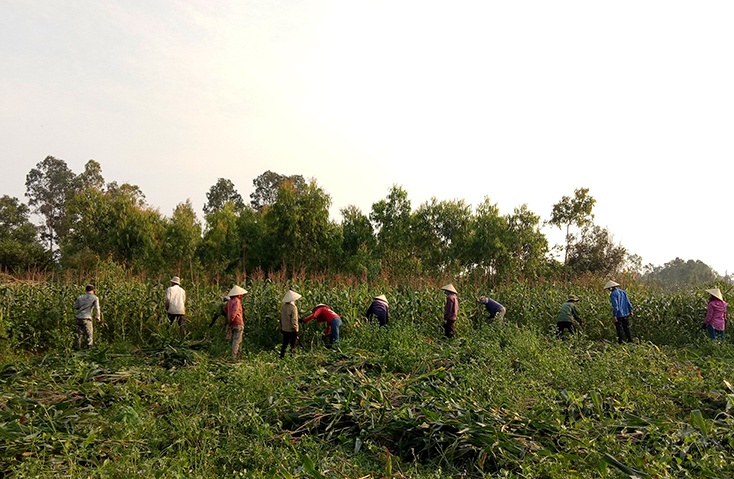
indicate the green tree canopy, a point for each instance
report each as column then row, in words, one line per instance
column 19, row 245
column 48, row 186
column 183, row 235
column 392, row 218
column 573, row 211
column 115, row 223
column 487, row 245
column 441, row 231
column 678, row 273
column 299, row 230
column 267, row 186
column 221, row 248
column 595, row 252
column 221, row 192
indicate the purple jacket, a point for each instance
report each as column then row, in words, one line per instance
column 716, row 314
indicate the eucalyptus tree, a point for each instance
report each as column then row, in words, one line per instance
column 267, row 186
column 223, row 191
column 182, row 237
column 526, row 245
column 392, row 218
column 441, row 232
column 91, row 177
column 220, row 250
column 48, row 186
column 573, row 211
column 358, row 243
column 595, row 252
column 298, row 229
column 488, row 245
column 115, row 223
column 20, row 248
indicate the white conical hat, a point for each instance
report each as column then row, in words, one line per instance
column 449, row 287
column 291, row 296
column 716, row 293
column 610, row 284
column 381, row 298
column 236, row 291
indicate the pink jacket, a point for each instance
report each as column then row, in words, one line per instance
column 716, row 315
column 233, row 308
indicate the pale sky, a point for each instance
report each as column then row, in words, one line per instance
column 521, row 101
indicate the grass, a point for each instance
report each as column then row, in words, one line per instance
column 498, row 401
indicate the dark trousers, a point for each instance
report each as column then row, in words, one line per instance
column 448, row 329
column 623, row 329
column 289, row 337
column 180, row 318
column 564, row 325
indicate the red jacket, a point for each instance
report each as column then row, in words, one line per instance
column 323, row 314
column 233, row 308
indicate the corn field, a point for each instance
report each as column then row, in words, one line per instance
column 503, row 399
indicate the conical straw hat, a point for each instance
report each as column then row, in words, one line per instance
column 381, row 298
column 610, row 285
column 449, row 287
column 291, row 296
column 716, row 293
column 236, row 291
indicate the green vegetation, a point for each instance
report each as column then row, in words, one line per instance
column 500, row 400
column 503, row 399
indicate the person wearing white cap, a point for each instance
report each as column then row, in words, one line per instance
column 716, row 314
column 380, row 309
column 233, row 308
column 289, row 322
column 621, row 311
column 450, row 310
column 176, row 304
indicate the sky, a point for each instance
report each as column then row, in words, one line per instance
column 522, row 102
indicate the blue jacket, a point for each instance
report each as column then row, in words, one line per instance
column 621, row 305
column 493, row 307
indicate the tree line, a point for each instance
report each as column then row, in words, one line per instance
column 286, row 227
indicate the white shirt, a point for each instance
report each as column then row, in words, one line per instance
column 176, row 300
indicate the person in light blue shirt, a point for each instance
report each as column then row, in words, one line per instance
column 621, row 311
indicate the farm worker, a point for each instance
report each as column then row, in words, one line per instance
column 495, row 309
column 176, row 304
column 219, row 311
column 716, row 314
column 86, row 305
column 568, row 313
column 451, row 310
column 380, row 309
column 323, row 314
column 621, row 311
column 236, row 324
column 289, row 321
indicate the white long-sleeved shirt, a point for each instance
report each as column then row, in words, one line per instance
column 176, row 300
